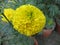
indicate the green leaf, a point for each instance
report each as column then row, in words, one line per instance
column 53, row 10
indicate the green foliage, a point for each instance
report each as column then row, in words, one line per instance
column 49, row 8
column 58, row 17
column 57, row 2
column 53, row 10
column 50, row 24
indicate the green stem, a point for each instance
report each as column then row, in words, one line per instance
column 6, row 18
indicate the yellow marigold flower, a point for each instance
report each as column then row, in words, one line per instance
column 28, row 20
column 8, row 13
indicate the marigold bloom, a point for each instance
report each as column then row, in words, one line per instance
column 28, row 20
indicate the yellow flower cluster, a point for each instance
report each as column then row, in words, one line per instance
column 27, row 19
column 8, row 13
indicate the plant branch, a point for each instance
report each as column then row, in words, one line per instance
column 6, row 18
